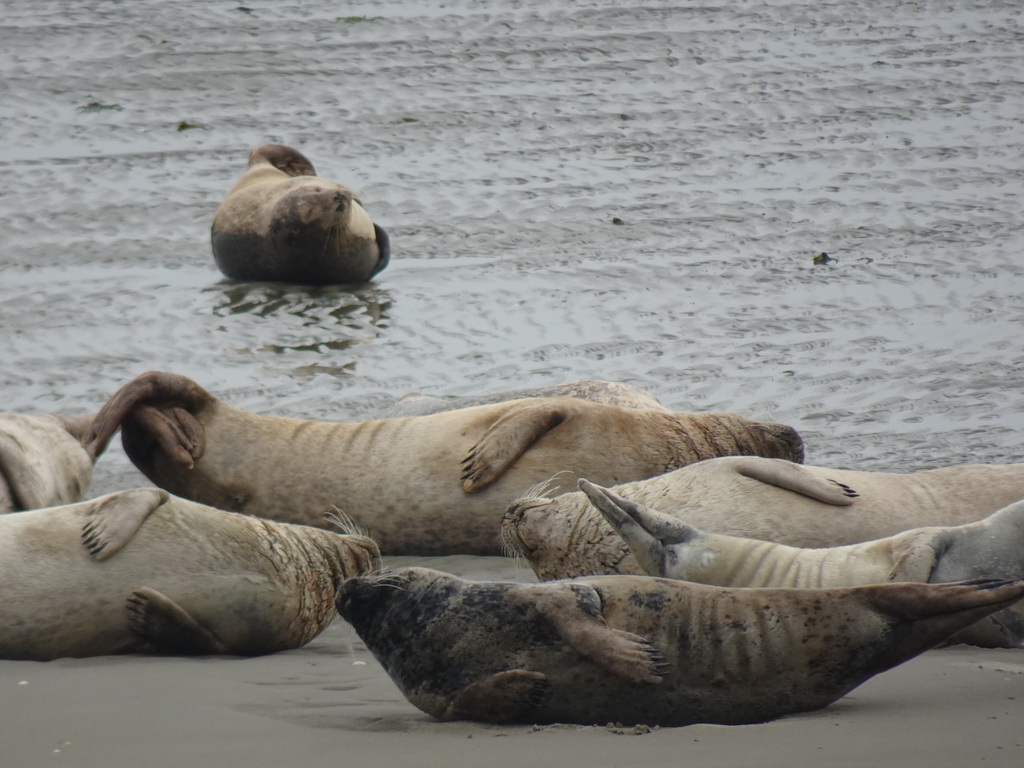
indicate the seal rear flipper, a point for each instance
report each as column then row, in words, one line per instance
column 176, row 431
column 383, row 249
column 505, row 441
column 793, row 477
column 575, row 612
column 111, row 521
column 155, row 388
column 162, row 622
column 928, row 614
column 503, row 697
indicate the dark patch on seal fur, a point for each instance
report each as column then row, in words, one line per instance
column 650, row 601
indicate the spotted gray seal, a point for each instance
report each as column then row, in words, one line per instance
column 280, row 222
column 141, row 570
column 434, row 484
column 759, row 498
column 45, row 460
column 639, row 649
column 987, row 549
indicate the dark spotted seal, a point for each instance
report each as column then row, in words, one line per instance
column 639, row 649
column 283, row 223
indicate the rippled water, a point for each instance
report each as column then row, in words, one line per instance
column 613, row 190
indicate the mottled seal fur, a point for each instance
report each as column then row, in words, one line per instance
column 639, row 649
column 435, row 484
column 595, row 390
column 772, row 500
column 45, row 460
column 283, row 223
column 988, row 549
column 143, row 571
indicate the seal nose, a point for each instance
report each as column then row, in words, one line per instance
column 340, row 200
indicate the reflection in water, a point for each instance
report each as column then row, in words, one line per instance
column 310, row 303
column 280, row 318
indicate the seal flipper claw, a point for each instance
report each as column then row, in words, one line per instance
column 502, row 697
column 506, row 440
column 111, row 521
column 165, row 624
column 576, row 616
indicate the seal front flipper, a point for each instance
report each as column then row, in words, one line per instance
column 111, row 521
column 503, row 697
column 575, row 612
column 162, row 622
column 506, row 440
column 793, row 477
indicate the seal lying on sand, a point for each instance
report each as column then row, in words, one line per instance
column 45, row 460
column 281, row 222
column 638, row 649
column 772, row 500
column 990, row 548
column 141, row 570
column 434, row 484
column 595, row 390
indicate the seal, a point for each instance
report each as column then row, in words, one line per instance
column 45, row 460
column 758, row 498
column 142, row 571
column 639, row 649
column 988, row 549
column 280, row 222
column 435, row 484
column 595, row 390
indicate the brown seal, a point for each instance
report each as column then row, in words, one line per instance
column 142, row 571
column 988, row 549
column 638, row 649
column 435, row 484
column 283, row 223
column 45, row 460
column 595, row 390
column 758, row 498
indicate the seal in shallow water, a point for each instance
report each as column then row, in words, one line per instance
column 988, row 549
column 768, row 499
column 435, row 484
column 45, row 460
column 141, row 570
column 638, row 649
column 283, row 223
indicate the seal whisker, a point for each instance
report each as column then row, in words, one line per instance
column 345, row 523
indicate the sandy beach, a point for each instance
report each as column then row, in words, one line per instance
column 627, row 191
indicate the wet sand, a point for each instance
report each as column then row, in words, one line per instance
column 629, row 192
